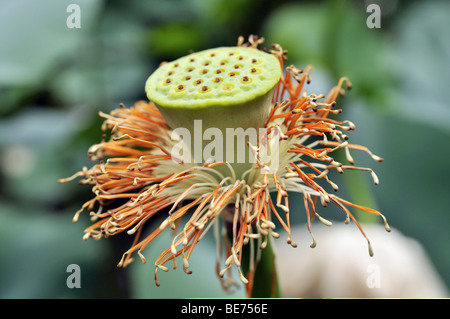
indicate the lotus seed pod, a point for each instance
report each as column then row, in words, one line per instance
column 226, row 87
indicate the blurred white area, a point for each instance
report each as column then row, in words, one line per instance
column 17, row 161
column 340, row 265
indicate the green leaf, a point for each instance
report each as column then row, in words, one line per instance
column 334, row 36
column 35, row 37
column 299, row 29
column 36, row 248
column 422, row 54
column 202, row 283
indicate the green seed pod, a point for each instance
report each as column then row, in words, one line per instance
column 227, row 87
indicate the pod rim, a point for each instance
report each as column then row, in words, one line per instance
column 248, row 74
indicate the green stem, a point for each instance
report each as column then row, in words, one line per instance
column 265, row 277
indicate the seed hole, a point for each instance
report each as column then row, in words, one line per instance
column 204, row 89
column 179, row 88
column 246, row 80
column 228, row 87
column 256, row 61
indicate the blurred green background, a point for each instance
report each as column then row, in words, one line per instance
column 54, row 80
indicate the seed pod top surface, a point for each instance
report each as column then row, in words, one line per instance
column 220, row 76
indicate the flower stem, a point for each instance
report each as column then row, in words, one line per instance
column 263, row 278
